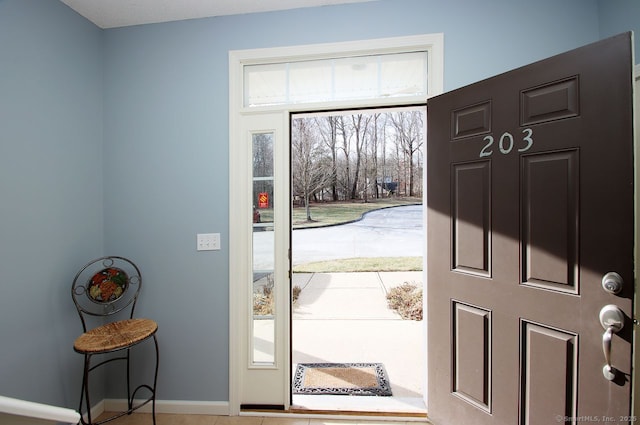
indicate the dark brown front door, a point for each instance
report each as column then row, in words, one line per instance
column 530, row 203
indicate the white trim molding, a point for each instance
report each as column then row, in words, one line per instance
column 240, row 238
column 635, row 393
column 13, row 410
column 181, row 407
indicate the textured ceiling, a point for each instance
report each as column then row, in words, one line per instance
column 120, row 13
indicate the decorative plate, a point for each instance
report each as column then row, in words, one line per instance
column 107, row 285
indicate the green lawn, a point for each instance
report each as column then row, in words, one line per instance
column 375, row 264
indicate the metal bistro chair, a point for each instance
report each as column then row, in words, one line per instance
column 102, row 288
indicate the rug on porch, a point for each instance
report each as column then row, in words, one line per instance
column 368, row 379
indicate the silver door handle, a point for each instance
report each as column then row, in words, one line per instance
column 608, row 371
column 612, row 320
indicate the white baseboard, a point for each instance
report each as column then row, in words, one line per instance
column 96, row 411
column 183, row 407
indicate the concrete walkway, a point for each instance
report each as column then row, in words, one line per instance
column 343, row 317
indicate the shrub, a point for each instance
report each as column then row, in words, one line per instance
column 295, row 293
column 263, row 302
column 406, row 299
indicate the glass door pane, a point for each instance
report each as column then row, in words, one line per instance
column 263, row 293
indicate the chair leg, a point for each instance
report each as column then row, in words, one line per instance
column 129, row 397
column 84, row 392
column 155, row 381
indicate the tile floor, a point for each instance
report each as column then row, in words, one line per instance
column 174, row 419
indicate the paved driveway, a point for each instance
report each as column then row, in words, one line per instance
column 389, row 232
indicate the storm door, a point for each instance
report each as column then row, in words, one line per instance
column 531, row 243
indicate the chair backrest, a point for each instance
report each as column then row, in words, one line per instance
column 106, row 286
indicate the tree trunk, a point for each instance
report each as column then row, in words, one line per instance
column 307, row 208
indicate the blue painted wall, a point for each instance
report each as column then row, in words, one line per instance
column 616, row 16
column 51, row 191
column 116, row 141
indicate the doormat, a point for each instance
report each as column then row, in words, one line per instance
column 368, row 379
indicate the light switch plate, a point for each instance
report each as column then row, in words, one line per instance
column 208, row 241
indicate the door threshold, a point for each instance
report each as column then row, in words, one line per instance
column 408, row 409
column 349, row 415
column 355, row 405
column 307, row 411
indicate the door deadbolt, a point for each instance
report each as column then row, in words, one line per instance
column 612, row 283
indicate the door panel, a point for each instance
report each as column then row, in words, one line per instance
column 472, row 354
column 530, row 204
column 549, row 220
column 471, row 219
column 547, row 386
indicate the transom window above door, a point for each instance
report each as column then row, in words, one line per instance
column 325, row 80
column 377, row 72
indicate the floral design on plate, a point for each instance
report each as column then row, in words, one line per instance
column 107, row 285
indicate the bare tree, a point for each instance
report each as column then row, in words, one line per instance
column 408, row 126
column 375, row 141
column 309, row 161
column 328, row 128
column 347, row 156
column 360, row 126
column 344, row 131
column 386, row 160
column 262, row 165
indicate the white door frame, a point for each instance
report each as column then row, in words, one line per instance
column 635, row 397
column 240, row 240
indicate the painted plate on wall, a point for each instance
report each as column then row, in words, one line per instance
column 107, row 285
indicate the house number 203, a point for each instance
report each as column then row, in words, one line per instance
column 506, row 143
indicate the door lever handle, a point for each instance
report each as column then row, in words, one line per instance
column 612, row 320
column 608, row 371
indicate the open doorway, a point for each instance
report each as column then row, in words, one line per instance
column 266, row 87
column 358, row 338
